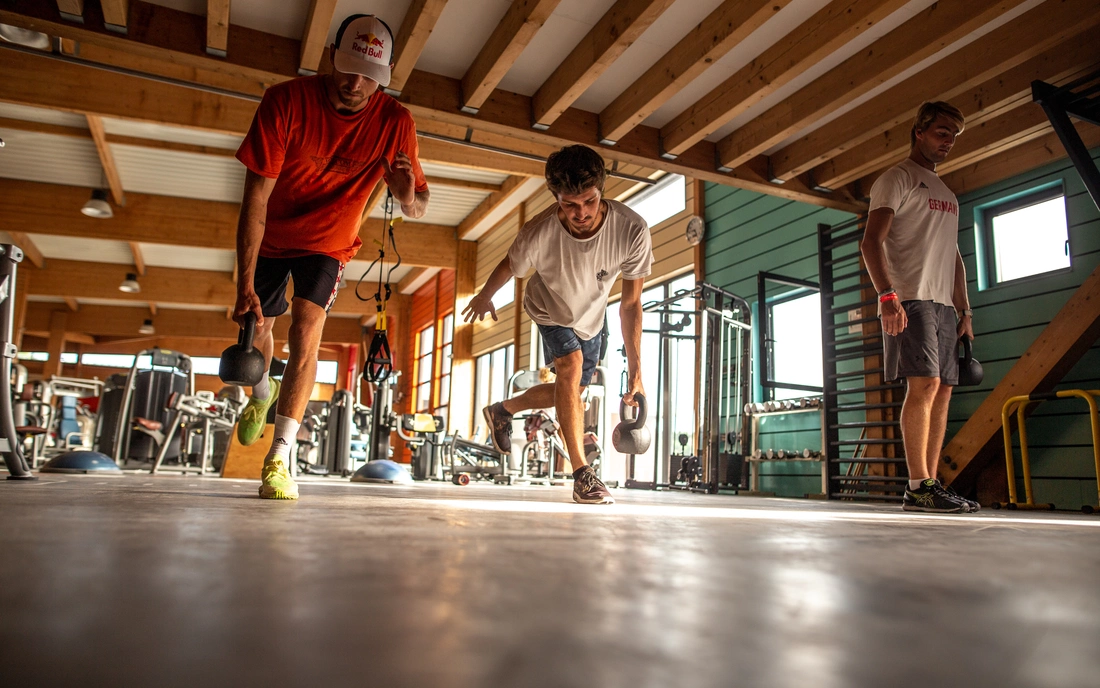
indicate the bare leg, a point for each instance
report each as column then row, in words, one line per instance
column 937, row 427
column 567, row 402
column 916, row 413
column 265, row 341
column 307, row 322
column 539, row 396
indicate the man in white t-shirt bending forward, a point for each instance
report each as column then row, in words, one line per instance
column 912, row 255
column 577, row 248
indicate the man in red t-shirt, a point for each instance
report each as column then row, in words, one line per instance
column 315, row 151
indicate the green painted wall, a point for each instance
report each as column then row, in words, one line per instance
column 748, row 233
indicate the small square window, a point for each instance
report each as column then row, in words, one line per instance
column 1026, row 236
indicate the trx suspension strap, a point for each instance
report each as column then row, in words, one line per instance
column 379, row 357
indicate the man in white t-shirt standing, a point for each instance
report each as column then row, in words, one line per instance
column 911, row 251
column 577, row 248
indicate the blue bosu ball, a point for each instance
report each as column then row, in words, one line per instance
column 382, row 471
column 81, row 461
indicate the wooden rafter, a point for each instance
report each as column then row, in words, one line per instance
column 115, row 14
column 1002, row 49
column 1003, row 92
column 53, row 209
column 1014, row 161
column 461, row 183
column 616, row 31
column 436, row 102
column 516, row 29
column 836, row 24
column 1013, row 128
column 922, row 36
column 139, row 257
column 411, row 38
column 315, row 34
column 30, row 251
column 412, row 281
column 510, row 187
column 217, row 27
column 73, row 10
column 124, row 321
column 106, row 159
column 72, row 303
column 715, row 36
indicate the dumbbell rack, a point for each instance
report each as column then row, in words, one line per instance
column 754, row 460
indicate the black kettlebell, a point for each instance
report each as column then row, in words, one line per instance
column 970, row 370
column 631, row 436
column 242, row 364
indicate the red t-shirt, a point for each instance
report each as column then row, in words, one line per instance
column 325, row 163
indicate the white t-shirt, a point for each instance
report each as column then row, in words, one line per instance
column 573, row 277
column 923, row 240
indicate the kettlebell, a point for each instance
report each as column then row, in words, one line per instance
column 631, row 436
column 241, row 364
column 970, row 371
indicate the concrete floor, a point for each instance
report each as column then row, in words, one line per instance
column 178, row 581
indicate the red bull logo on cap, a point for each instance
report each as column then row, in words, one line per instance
column 371, row 45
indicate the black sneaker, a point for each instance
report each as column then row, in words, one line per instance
column 500, row 427
column 931, row 496
column 588, row 489
column 971, row 505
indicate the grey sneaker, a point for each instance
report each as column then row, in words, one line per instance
column 500, row 427
column 931, row 497
column 588, row 489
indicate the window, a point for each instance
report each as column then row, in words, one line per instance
column 445, row 342
column 1024, row 236
column 491, row 372
column 505, row 295
column 794, row 328
column 66, row 358
column 422, row 368
column 661, row 201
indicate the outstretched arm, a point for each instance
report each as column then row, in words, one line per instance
column 482, row 304
column 250, row 232
column 630, row 315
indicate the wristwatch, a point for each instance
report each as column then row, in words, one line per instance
column 966, row 311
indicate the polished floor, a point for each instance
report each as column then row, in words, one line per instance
column 181, row 581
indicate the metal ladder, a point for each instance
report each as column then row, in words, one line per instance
column 866, row 459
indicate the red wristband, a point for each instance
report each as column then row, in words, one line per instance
column 892, row 296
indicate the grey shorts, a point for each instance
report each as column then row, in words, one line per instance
column 928, row 347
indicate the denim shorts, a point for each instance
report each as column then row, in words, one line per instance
column 562, row 341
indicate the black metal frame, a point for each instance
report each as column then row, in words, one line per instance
column 764, row 339
column 1078, row 99
column 18, row 469
column 835, row 349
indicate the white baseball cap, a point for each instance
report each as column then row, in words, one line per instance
column 364, row 45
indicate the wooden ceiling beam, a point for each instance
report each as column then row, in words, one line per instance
column 996, row 95
column 511, row 186
column 217, row 27
column 1000, row 50
column 106, row 159
column 34, row 207
column 71, row 302
column 87, row 280
column 462, row 183
column 116, row 14
column 139, row 257
column 519, row 25
column 124, row 321
column 616, row 31
column 925, row 34
column 504, row 120
column 712, row 38
column 1017, row 160
column 315, row 35
column 420, row 20
column 71, row 10
column 1011, row 129
column 835, row 25
column 412, row 281
column 30, row 250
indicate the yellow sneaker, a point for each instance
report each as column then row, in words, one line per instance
column 253, row 420
column 277, row 483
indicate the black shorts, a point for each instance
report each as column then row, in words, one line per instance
column 316, row 279
column 927, row 347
